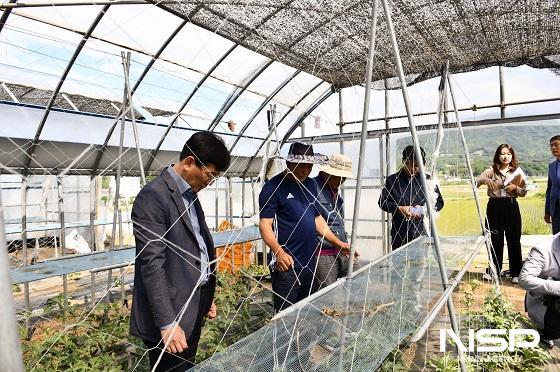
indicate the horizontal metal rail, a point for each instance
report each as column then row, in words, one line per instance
column 91, row 261
column 355, row 136
column 471, row 108
column 103, row 116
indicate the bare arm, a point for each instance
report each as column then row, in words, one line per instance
column 324, row 230
column 284, row 260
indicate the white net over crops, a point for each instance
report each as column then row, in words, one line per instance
column 354, row 324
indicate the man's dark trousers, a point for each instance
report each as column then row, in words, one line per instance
column 290, row 286
column 180, row 361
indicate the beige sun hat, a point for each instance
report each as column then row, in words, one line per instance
column 339, row 165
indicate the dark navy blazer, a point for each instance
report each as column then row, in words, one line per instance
column 167, row 265
column 552, row 189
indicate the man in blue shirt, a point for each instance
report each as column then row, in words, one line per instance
column 404, row 198
column 289, row 221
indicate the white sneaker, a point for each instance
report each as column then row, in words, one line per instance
column 487, row 276
column 515, row 280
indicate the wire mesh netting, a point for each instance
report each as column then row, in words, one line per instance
column 353, row 324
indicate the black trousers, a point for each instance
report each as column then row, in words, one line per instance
column 556, row 219
column 551, row 324
column 180, row 362
column 503, row 217
column 290, row 287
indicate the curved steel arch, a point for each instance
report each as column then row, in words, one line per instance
column 235, row 95
column 185, row 103
column 158, row 53
column 252, row 159
column 262, row 106
column 31, row 148
column 306, row 113
column 5, row 15
column 174, row 120
column 154, row 58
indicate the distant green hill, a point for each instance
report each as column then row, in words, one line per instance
column 530, row 144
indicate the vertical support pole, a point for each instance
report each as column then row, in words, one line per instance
column 117, row 217
column 24, row 188
column 502, row 92
column 230, row 219
column 489, row 248
column 78, row 206
column 123, row 297
column 445, row 107
column 361, row 159
column 92, row 285
column 216, row 209
column 10, row 352
column 381, row 184
column 423, row 178
column 62, row 239
column 341, row 131
column 387, row 216
column 243, row 219
column 254, row 195
column 129, row 219
column 230, row 199
column 243, row 202
column 92, row 211
column 126, row 66
column 226, row 199
column 255, row 212
column 357, row 196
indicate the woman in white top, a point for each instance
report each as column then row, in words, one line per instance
column 502, row 212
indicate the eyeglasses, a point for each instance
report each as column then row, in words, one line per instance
column 210, row 176
column 555, row 144
column 411, row 164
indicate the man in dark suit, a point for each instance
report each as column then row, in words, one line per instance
column 173, row 280
column 551, row 208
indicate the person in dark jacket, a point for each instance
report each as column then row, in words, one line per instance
column 173, row 279
column 552, row 204
column 404, row 198
column 332, row 264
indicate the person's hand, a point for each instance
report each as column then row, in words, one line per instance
column 416, row 216
column 511, row 188
column 405, row 210
column 344, row 248
column 489, row 182
column 547, row 218
column 176, row 337
column 213, row 312
column 284, row 261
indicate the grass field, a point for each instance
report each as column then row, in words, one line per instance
column 459, row 216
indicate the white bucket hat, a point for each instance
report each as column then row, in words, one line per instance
column 339, row 165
